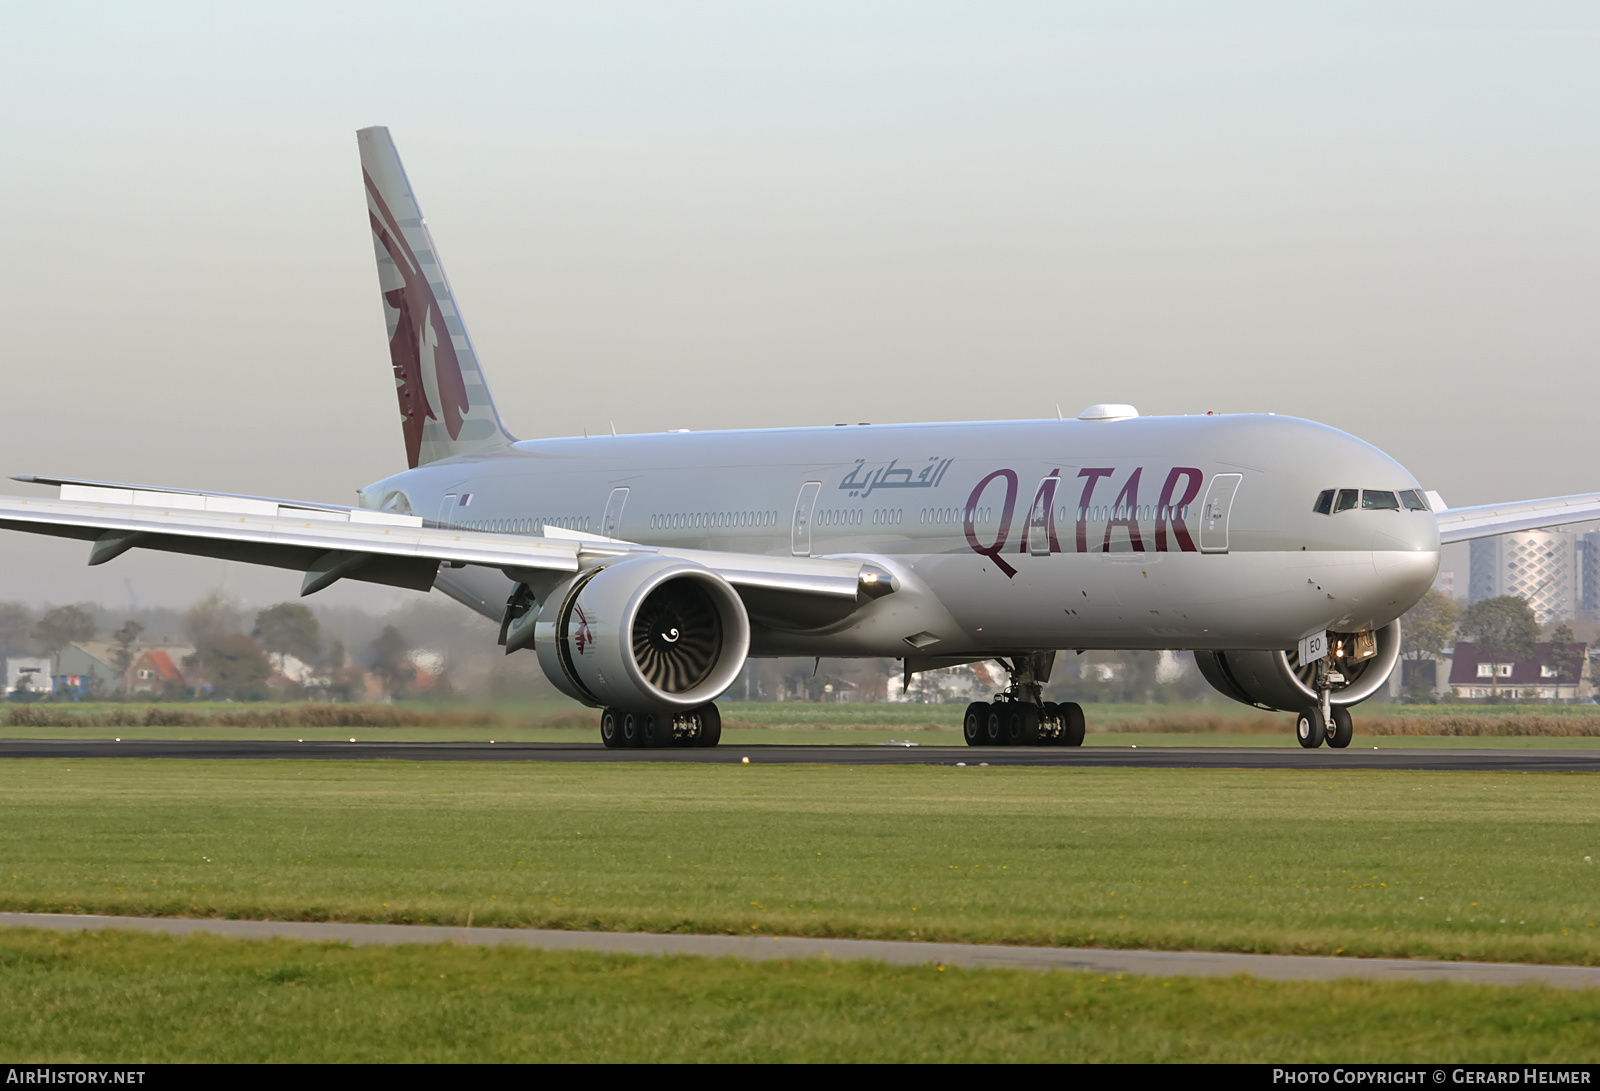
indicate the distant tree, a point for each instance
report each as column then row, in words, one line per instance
column 16, row 627
column 125, row 637
column 391, row 660
column 1504, row 631
column 212, row 616
column 1564, row 654
column 288, row 629
column 62, row 626
column 233, row 665
column 334, row 657
column 1429, row 626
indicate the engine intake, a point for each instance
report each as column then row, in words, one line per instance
column 1278, row 681
column 644, row 632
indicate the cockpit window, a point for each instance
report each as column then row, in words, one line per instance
column 1379, row 500
column 1414, row 500
column 1324, row 504
column 1348, row 498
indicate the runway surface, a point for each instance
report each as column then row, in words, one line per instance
column 1155, row 757
column 1080, row 959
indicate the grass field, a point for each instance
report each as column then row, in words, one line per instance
column 1484, row 866
column 138, row 998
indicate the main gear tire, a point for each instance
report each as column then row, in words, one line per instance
column 972, row 726
column 710, row 726
column 1022, row 725
column 1073, row 724
column 611, row 728
column 657, row 731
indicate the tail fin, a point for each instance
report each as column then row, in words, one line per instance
column 445, row 408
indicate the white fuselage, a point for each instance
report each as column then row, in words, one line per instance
column 1158, row 532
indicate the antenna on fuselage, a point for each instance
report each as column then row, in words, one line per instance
column 1059, row 417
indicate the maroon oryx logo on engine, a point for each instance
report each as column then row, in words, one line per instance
column 582, row 638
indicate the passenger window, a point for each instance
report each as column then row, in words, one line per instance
column 1348, row 498
column 1378, row 500
column 1414, row 500
column 1324, row 505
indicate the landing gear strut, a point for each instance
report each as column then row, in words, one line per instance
column 1020, row 716
column 660, row 727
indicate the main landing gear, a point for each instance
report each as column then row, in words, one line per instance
column 1019, row 716
column 661, row 727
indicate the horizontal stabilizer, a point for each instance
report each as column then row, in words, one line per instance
column 1487, row 520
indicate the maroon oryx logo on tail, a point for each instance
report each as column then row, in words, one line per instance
column 421, row 349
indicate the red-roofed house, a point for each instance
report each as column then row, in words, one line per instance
column 156, row 671
column 1474, row 676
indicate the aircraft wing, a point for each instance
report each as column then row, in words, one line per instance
column 328, row 542
column 1487, row 520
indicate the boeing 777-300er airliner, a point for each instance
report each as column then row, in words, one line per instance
column 643, row 570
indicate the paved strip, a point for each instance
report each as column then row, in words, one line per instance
column 1153, row 757
column 760, row 948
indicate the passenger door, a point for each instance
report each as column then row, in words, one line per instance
column 1214, row 515
column 613, row 516
column 802, row 517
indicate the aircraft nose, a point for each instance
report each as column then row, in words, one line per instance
column 1406, row 574
column 1411, row 532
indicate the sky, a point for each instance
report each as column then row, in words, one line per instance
column 707, row 215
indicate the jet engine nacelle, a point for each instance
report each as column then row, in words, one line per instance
column 1279, row 681
column 642, row 633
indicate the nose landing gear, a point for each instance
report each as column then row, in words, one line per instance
column 1325, row 721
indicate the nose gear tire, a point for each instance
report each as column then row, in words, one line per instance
column 1344, row 728
column 1309, row 729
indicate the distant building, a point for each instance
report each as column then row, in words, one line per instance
column 1589, row 576
column 1473, row 676
column 1540, row 566
column 28, row 673
column 1445, row 583
column 157, row 671
column 1429, row 674
column 89, row 669
column 970, row 681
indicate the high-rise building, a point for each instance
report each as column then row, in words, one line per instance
column 1589, row 576
column 1541, row 566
